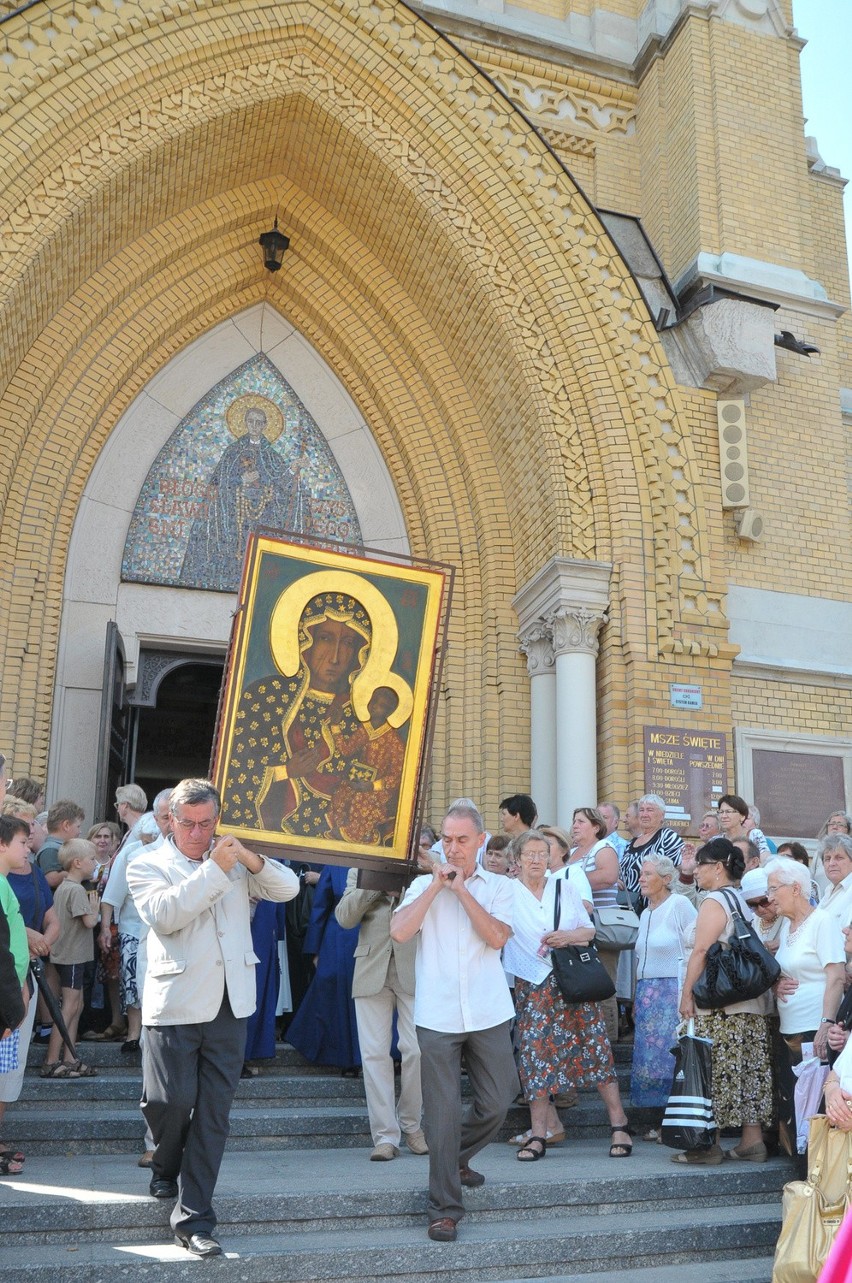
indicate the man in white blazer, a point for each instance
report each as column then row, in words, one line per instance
column 193, row 891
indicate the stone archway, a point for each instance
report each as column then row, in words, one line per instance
column 445, row 266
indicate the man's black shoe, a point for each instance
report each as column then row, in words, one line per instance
column 199, row 1244
column 160, row 1187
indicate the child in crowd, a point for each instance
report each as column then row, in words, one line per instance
column 77, row 911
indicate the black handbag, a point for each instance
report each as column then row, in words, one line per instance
column 737, row 971
column 577, row 969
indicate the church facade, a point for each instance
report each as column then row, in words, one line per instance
column 565, row 306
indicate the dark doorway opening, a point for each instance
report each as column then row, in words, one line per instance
column 173, row 739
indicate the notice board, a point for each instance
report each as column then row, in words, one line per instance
column 689, row 771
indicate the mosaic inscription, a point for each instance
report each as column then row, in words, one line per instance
column 247, row 456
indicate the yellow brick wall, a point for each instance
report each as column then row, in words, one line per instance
column 797, row 446
column 791, row 706
column 448, row 271
column 464, row 293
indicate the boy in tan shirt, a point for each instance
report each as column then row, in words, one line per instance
column 77, row 911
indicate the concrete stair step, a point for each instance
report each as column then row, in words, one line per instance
column 62, row 1126
column 112, row 1087
column 100, row 1197
column 732, row 1270
column 286, row 1057
column 110, row 1053
column 508, row 1248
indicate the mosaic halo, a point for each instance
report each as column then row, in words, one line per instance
column 235, row 415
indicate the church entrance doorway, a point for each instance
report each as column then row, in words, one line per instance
column 171, row 733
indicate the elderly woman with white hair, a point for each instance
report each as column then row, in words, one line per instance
column 659, row 950
column 652, row 839
column 812, row 958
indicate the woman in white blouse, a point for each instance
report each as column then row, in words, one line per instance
column 561, row 1045
column 659, row 952
column 812, row 958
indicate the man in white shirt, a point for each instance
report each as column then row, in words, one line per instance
column 462, row 1009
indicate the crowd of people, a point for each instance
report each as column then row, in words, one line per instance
column 196, row 953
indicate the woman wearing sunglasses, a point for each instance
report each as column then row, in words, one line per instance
column 742, row 1074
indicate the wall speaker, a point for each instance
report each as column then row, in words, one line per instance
column 749, row 524
column 733, row 453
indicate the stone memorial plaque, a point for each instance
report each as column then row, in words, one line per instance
column 688, row 769
column 796, row 792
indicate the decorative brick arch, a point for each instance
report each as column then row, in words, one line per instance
column 444, row 264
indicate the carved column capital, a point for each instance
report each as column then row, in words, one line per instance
column 536, row 644
column 575, row 629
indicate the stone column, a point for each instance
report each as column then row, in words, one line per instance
column 560, row 612
column 536, row 645
column 575, row 647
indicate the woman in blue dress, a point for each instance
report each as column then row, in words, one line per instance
column 324, row 1028
column 659, row 954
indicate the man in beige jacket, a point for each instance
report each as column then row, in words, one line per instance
column 383, row 983
column 192, row 891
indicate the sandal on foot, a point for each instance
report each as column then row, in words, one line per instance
column 654, row 1135
column 754, row 1154
column 58, row 1069
column 701, row 1157
column 552, row 1138
column 625, row 1146
column 14, row 1154
column 77, row 1069
column 535, row 1148
column 9, row 1167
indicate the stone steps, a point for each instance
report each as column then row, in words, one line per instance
column 68, row 1129
column 756, row 1270
column 484, row 1252
column 298, row 1199
column 333, row 1215
column 289, row 1105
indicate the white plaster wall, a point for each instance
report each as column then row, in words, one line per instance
column 789, row 632
column 183, row 619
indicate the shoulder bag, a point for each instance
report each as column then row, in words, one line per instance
column 577, row 969
column 616, row 926
column 737, row 971
column 813, row 1209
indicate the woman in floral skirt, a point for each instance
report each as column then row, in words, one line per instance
column 562, row 1046
column 659, row 950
